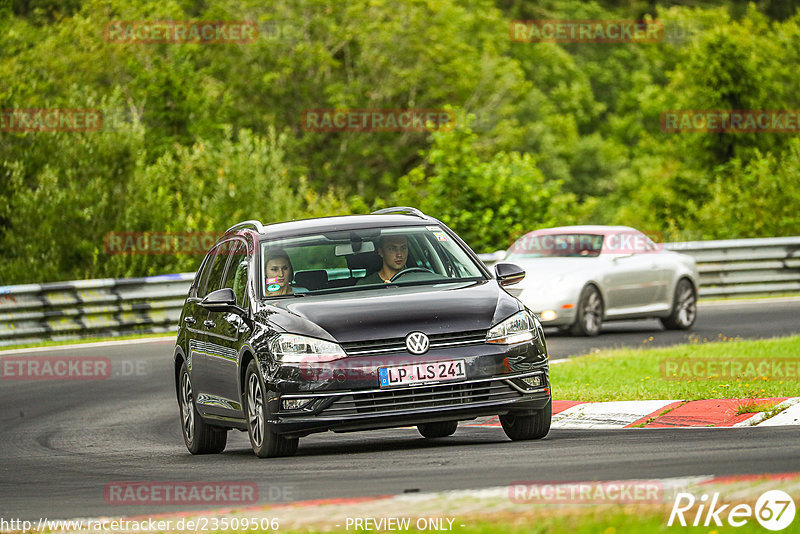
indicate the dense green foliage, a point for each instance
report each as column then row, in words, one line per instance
column 199, row 136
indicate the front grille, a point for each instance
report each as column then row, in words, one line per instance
column 398, row 344
column 436, row 396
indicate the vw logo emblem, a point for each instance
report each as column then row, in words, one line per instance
column 417, row 343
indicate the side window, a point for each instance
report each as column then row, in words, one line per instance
column 236, row 274
column 201, row 276
column 462, row 270
column 417, row 254
column 216, row 270
column 431, row 252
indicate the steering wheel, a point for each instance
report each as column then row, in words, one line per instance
column 411, row 270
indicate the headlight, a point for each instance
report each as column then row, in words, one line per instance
column 291, row 348
column 549, row 315
column 518, row 328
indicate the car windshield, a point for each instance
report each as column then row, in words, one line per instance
column 556, row 245
column 352, row 260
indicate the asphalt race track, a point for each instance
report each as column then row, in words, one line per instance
column 748, row 319
column 62, row 442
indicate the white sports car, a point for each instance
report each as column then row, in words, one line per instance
column 579, row 276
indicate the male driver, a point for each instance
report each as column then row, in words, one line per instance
column 393, row 249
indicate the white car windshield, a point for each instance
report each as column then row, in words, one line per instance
column 556, row 245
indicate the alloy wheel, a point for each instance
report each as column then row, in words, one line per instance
column 187, row 407
column 687, row 306
column 255, row 409
column 592, row 310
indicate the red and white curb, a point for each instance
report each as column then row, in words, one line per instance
column 790, row 414
column 669, row 414
column 618, row 414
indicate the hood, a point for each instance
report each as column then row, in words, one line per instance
column 393, row 312
column 542, row 272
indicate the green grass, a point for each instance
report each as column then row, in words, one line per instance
column 83, row 340
column 634, row 374
column 756, row 408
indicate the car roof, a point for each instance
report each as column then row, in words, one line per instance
column 345, row 222
column 584, row 229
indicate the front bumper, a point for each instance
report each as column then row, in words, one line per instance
column 564, row 317
column 346, row 394
column 544, row 303
column 346, row 411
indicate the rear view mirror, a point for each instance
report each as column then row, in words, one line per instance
column 347, row 249
column 508, row 273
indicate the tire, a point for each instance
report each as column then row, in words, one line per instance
column 684, row 307
column 589, row 318
column 438, row 430
column 199, row 436
column 526, row 427
column 265, row 442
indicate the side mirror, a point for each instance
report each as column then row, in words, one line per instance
column 224, row 300
column 508, row 273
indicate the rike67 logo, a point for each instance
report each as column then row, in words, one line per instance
column 774, row 510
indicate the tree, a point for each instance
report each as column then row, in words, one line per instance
column 488, row 202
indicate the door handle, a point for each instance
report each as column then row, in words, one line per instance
column 189, row 320
column 209, row 324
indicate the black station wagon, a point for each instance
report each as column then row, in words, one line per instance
column 354, row 323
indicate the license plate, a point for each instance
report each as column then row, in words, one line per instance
column 422, row 373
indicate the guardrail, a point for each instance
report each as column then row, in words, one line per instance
column 740, row 267
column 106, row 307
column 113, row 307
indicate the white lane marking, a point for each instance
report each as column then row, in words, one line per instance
column 163, row 339
column 616, row 414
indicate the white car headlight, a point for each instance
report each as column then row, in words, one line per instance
column 291, row 348
column 518, row 328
